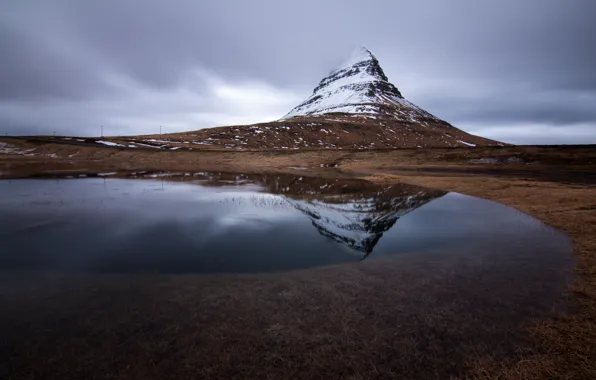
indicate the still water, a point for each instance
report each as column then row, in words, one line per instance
column 229, row 223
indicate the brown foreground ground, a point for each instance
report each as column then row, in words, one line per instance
column 337, row 322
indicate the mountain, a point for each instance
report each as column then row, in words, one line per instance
column 359, row 87
column 354, row 107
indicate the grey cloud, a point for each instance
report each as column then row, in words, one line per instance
column 513, row 105
column 131, row 62
column 32, row 70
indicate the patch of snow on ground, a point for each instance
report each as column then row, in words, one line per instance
column 148, row 145
column 466, row 143
column 5, row 148
column 10, row 149
column 108, row 143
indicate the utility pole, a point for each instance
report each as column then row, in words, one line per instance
column 160, row 131
column 102, row 131
column 54, row 133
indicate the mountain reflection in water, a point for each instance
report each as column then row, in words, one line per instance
column 237, row 223
column 352, row 212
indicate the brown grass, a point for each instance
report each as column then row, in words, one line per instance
column 53, row 157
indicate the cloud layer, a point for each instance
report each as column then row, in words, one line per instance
column 519, row 71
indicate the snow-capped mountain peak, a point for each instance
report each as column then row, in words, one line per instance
column 358, row 86
column 358, row 56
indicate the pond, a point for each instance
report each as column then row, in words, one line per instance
column 236, row 223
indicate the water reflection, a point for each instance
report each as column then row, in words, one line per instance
column 223, row 222
column 351, row 212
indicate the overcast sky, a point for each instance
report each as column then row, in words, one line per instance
column 517, row 71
